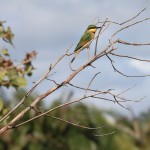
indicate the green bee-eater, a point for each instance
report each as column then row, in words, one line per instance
column 85, row 40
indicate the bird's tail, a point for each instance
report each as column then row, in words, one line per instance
column 76, row 54
column 73, row 59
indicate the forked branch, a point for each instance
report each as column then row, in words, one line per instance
column 89, row 93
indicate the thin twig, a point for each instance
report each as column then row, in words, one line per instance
column 53, row 109
column 90, row 83
column 126, row 90
column 98, row 36
column 114, row 22
column 35, row 85
column 105, row 134
column 129, row 57
column 66, row 121
column 133, row 44
column 133, row 17
column 116, row 70
column 129, row 26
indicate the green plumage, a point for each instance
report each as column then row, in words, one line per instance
column 86, row 37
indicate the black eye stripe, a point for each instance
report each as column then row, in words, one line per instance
column 92, row 28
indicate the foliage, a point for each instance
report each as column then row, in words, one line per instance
column 49, row 133
column 3, row 111
column 12, row 75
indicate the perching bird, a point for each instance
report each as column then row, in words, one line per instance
column 85, row 40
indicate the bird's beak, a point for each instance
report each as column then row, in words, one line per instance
column 98, row 27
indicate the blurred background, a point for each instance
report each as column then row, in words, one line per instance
column 50, row 27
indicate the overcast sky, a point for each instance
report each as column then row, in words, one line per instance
column 50, row 26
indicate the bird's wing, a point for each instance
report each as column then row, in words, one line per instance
column 84, row 39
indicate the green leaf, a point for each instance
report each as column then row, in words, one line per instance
column 1, row 30
column 12, row 73
column 9, row 36
column 3, row 74
column 29, row 70
column 1, row 104
column 5, row 52
column 19, row 82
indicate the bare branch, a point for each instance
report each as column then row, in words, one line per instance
column 126, row 90
column 98, row 36
column 116, row 70
column 129, row 57
column 105, row 134
column 65, row 121
column 133, row 17
column 90, row 83
column 35, row 85
column 94, row 93
column 133, row 44
column 129, row 26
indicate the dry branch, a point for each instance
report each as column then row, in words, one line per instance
column 93, row 93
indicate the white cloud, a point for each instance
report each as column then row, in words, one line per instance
column 141, row 66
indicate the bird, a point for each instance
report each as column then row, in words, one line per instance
column 85, row 40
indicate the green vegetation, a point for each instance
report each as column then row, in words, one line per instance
column 13, row 75
column 49, row 133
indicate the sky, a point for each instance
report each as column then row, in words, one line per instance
column 51, row 26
